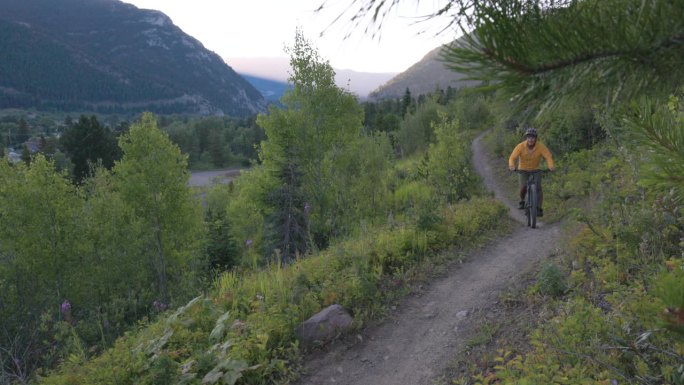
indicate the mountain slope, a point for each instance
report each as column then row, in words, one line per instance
column 272, row 90
column 109, row 56
column 423, row 77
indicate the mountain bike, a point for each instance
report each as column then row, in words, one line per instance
column 532, row 202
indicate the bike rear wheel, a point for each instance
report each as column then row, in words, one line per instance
column 533, row 206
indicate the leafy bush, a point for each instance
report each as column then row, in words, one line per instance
column 670, row 290
column 550, row 280
column 415, row 131
column 448, row 167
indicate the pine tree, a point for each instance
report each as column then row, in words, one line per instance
column 542, row 52
column 87, row 142
column 303, row 140
column 25, row 154
column 406, row 101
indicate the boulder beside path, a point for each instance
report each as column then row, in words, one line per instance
column 323, row 326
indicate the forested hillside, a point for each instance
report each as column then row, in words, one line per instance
column 110, row 57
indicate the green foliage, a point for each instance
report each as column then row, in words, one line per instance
column 543, row 52
column 304, row 141
column 670, row 290
column 360, row 186
column 78, row 261
column 448, row 167
column 660, row 129
column 152, row 179
column 40, row 251
column 412, row 194
column 416, row 131
column 248, row 213
column 381, row 116
column 571, row 128
column 88, row 143
column 550, row 281
column 221, row 250
column 473, row 111
column 243, row 332
column 215, row 142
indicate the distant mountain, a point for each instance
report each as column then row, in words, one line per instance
column 278, row 68
column 361, row 83
column 423, row 77
column 271, row 90
column 109, row 56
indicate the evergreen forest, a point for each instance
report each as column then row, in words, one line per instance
column 115, row 271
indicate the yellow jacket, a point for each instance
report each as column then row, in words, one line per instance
column 529, row 160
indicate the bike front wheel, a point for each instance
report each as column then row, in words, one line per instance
column 533, row 206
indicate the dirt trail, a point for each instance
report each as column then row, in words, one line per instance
column 417, row 342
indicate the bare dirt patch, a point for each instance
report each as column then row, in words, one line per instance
column 418, row 341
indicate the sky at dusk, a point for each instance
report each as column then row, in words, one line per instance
column 262, row 28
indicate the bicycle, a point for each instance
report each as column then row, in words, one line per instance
column 532, row 202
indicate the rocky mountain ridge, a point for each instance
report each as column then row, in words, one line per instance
column 109, row 56
column 427, row 75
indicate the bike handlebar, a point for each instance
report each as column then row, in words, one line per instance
column 531, row 171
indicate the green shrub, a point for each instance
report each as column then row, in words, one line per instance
column 415, row 131
column 670, row 289
column 550, row 280
column 448, row 169
column 412, row 194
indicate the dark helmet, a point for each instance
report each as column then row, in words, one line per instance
column 531, row 132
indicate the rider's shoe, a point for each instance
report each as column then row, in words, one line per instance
column 540, row 212
column 521, row 205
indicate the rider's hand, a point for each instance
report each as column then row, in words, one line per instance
column 511, row 169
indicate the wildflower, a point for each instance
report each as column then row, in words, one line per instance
column 65, row 310
column 248, row 243
column 159, row 306
column 65, row 307
column 307, row 208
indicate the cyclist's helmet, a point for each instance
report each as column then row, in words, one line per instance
column 531, row 132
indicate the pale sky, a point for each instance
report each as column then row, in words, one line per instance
column 262, row 28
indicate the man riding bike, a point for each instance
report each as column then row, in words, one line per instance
column 528, row 154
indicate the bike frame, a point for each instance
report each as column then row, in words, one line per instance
column 532, row 201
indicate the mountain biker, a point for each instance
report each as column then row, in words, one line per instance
column 528, row 154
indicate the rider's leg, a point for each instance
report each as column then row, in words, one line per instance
column 540, row 194
column 522, row 182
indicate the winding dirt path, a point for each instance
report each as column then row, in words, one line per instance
column 417, row 342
